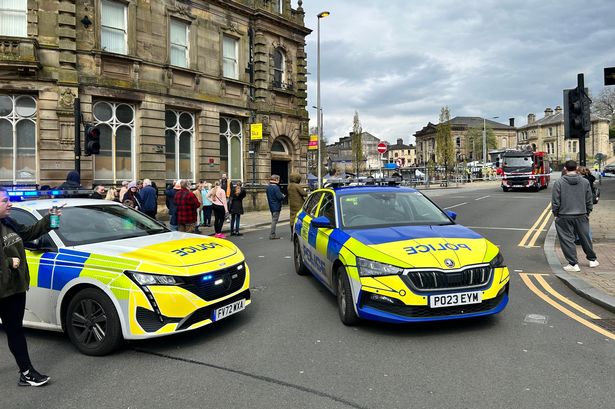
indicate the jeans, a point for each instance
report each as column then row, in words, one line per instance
column 274, row 221
column 11, row 312
column 207, row 215
column 218, row 218
column 235, row 222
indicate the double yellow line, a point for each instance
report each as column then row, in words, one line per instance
column 534, row 231
column 539, row 278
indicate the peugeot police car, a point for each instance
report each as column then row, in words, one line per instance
column 111, row 273
column 390, row 254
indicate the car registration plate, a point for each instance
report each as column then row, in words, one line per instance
column 229, row 309
column 450, row 300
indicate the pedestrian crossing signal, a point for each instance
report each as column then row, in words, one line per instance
column 91, row 140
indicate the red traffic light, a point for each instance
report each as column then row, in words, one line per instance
column 91, row 140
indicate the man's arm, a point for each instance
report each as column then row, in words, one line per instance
column 33, row 231
column 589, row 199
column 555, row 199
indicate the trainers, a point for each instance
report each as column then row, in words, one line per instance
column 593, row 263
column 572, row 268
column 32, row 378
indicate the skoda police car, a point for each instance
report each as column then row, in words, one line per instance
column 111, row 273
column 390, row 254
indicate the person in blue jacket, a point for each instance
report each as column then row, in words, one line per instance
column 274, row 198
column 149, row 201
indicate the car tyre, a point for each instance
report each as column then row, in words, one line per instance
column 345, row 303
column 92, row 323
column 300, row 267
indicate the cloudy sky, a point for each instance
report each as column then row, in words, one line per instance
column 398, row 62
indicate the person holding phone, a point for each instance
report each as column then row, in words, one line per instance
column 14, row 282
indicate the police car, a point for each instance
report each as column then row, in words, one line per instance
column 111, row 273
column 390, row 254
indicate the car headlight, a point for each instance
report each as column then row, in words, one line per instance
column 368, row 268
column 152, row 279
column 497, row 261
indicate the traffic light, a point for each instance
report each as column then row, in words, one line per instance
column 577, row 120
column 91, row 140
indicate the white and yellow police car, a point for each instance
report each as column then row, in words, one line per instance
column 390, row 254
column 110, row 273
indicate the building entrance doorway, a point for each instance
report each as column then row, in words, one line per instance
column 280, row 167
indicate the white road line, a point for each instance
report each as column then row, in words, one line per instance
column 457, row 205
column 481, row 198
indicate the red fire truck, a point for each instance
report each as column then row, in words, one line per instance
column 525, row 169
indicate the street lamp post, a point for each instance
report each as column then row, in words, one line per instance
column 320, row 15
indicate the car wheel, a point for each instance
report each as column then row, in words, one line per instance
column 92, row 323
column 300, row 267
column 345, row 303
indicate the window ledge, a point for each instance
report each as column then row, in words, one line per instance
column 108, row 54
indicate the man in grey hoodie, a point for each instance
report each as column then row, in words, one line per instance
column 571, row 204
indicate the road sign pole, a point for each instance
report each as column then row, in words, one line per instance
column 581, row 91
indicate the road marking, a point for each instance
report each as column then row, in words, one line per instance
column 499, row 228
column 540, row 229
column 562, row 309
column 457, row 205
column 481, row 198
column 523, row 241
column 560, row 297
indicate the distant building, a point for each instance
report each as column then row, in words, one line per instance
column 505, row 137
column 547, row 134
column 401, row 154
column 340, row 154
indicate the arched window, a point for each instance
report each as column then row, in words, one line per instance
column 117, row 131
column 17, row 138
column 179, row 143
column 278, row 146
column 278, row 69
column 231, row 142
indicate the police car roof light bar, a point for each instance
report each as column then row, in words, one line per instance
column 30, row 192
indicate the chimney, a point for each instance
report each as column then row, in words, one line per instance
column 511, row 122
column 400, row 141
column 558, row 109
column 531, row 118
column 548, row 112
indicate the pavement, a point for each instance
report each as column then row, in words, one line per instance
column 595, row 284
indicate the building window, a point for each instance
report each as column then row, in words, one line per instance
column 229, row 56
column 179, row 43
column 113, row 33
column 14, row 18
column 116, row 122
column 179, row 144
column 17, row 139
column 280, row 4
column 278, row 69
column 550, row 131
column 231, row 141
column 278, row 146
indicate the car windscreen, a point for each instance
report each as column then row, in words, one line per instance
column 517, row 163
column 98, row 223
column 389, row 209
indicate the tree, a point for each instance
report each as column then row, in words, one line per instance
column 357, row 145
column 474, row 141
column 604, row 106
column 445, row 149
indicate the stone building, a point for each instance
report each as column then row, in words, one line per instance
column 547, row 134
column 401, row 154
column 172, row 85
column 505, row 137
column 340, row 154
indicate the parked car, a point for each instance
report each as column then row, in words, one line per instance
column 610, row 168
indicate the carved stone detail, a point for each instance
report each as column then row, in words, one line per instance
column 67, row 98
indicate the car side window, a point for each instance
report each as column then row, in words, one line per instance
column 312, row 203
column 327, row 207
column 27, row 219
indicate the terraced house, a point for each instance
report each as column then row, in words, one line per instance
column 172, row 85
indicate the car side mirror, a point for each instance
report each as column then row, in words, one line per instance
column 322, row 222
column 451, row 214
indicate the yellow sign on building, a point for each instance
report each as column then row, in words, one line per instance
column 313, row 144
column 256, row 131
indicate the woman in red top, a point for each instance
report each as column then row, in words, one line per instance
column 187, row 205
column 217, row 196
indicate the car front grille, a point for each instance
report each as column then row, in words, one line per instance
column 441, row 280
column 209, row 287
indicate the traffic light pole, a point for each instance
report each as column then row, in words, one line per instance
column 581, row 91
column 77, row 136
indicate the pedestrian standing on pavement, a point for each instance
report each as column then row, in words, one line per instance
column 112, row 194
column 225, row 185
column 132, row 197
column 296, row 197
column 123, row 191
column 170, row 202
column 14, row 282
column 571, row 203
column 99, row 192
column 207, row 205
column 149, row 200
column 196, row 191
column 73, row 181
column 217, row 196
column 187, row 205
column 236, row 207
column 274, row 198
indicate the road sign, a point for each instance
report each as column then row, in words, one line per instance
column 382, row 147
column 256, row 132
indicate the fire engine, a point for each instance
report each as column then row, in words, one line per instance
column 525, row 169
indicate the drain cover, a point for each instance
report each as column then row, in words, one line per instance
column 536, row 318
